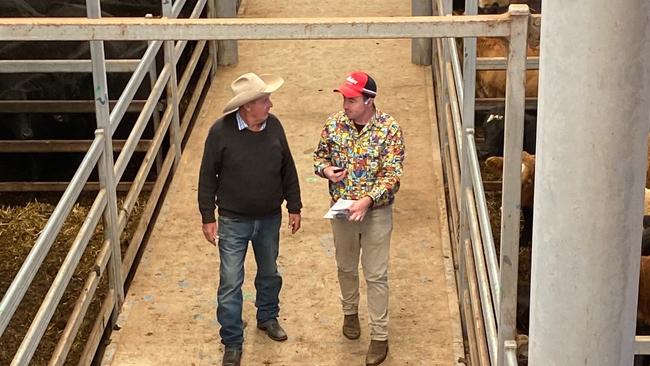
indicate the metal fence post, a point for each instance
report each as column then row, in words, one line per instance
column 589, row 181
column 172, row 89
column 511, row 201
column 153, row 76
column 227, row 49
column 421, row 47
column 213, row 46
column 105, row 164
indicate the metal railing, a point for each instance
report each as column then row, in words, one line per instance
column 456, row 137
column 482, row 284
column 100, row 154
column 487, row 285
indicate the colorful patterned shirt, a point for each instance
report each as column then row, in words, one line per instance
column 373, row 157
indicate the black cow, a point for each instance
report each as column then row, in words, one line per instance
column 60, row 86
column 494, row 130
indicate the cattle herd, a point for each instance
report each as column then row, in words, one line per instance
column 491, row 84
column 29, row 119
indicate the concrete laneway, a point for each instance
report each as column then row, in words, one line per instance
column 169, row 314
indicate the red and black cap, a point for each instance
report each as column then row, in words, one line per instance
column 358, row 83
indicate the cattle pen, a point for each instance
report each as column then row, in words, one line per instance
column 455, row 293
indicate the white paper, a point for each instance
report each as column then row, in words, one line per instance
column 339, row 209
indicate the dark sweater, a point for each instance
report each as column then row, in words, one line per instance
column 250, row 173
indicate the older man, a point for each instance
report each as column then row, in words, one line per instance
column 247, row 166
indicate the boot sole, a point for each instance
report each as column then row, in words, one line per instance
column 277, row 339
column 351, row 337
column 380, row 361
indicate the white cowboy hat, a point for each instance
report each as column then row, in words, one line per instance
column 249, row 87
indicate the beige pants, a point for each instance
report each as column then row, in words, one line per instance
column 371, row 239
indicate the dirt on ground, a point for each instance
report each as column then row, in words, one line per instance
column 169, row 313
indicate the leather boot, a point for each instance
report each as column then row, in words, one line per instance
column 377, row 352
column 273, row 330
column 351, row 327
column 231, row 356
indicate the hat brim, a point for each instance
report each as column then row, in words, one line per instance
column 347, row 91
column 272, row 82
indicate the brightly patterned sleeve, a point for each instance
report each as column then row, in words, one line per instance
column 387, row 183
column 322, row 154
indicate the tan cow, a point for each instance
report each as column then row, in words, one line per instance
column 495, row 163
column 492, row 83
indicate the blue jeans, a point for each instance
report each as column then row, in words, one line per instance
column 234, row 235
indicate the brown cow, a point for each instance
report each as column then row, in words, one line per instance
column 495, row 163
column 643, row 309
column 492, row 83
column 501, row 6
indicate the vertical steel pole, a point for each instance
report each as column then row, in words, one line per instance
column 172, row 89
column 213, row 47
column 227, row 49
column 153, row 76
column 105, row 168
column 421, row 47
column 511, row 197
column 590, row 173
column 467, row 109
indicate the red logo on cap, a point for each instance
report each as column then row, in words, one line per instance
column 355, row 85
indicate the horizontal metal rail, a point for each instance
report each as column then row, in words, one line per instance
column 196, row 12
column 145, row 167
column 456, row 70
column 476, row 306
column 499, row 63
column 59, row 106
column 81, row 306
column 138, row 236
column 191, row 65
column 455, row 110
column 483, row 281
column 72, row 66
column 53, row 296
column 642, row 345
column 177, row 8
column 51, row 146
column 32, row 263
column 483, row 104
column 141, row 123
column 134, row 83
column 133, row 143
column 60, row 186
column 194, row 100
column 100, row 324
column 484, row 222
column 511, row 353
column 143, row 29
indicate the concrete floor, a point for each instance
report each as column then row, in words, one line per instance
column 169, row 314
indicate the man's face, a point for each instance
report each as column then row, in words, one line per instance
column 258, row 110
column 354, row 107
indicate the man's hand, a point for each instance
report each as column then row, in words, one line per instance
column 294, row 222
column 335, row 174
column 359, row 208
column 210, row 232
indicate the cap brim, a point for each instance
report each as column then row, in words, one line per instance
column 347, row 91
